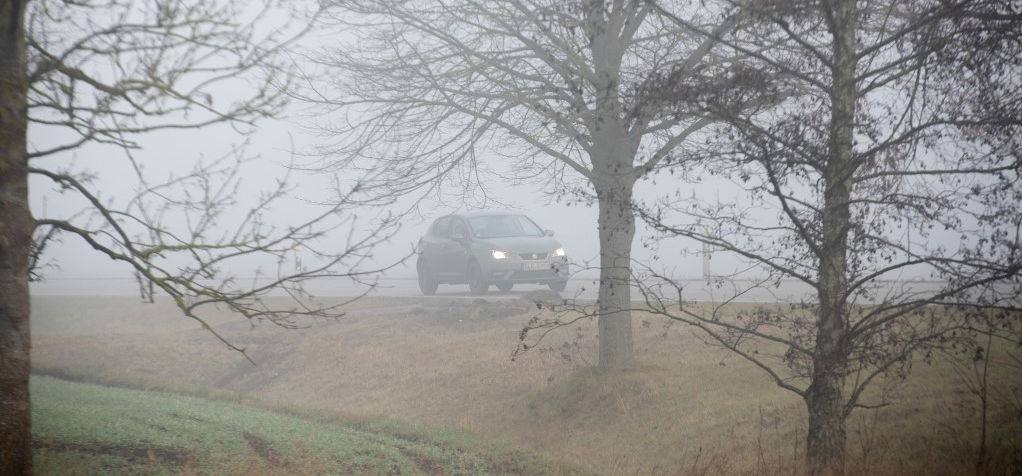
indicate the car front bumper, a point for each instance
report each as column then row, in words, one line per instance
column 527, row 271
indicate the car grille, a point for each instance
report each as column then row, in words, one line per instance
column 541, row 274
column 533, row 255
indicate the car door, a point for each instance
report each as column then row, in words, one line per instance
column 449, row 253
column 461, row 249
column 434, row 244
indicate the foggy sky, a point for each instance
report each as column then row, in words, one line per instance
column 176, row 151
column 168, row 152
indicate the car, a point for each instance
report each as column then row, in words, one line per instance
column 484, row 248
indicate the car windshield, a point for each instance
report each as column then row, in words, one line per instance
column 503, row 226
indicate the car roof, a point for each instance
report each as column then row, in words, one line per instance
column 481, row 213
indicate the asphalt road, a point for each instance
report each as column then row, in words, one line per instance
column 582, row 289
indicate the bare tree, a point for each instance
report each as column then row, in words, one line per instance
column 974, row 367
column 973, row 372
column 430, row 91
column 893, row 154
column 108, row 72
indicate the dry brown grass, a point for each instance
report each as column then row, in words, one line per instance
column 683, row 408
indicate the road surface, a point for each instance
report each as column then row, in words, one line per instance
column 582, row 289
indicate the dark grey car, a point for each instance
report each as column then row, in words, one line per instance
column 484, row 248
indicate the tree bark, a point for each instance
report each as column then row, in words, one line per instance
column 825, row 445
column 16, row 226
column 613, row 179
column 825, row 441
column 617, row 229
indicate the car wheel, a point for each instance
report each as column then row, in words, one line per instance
column 427, row 282
column 475, row 279
column 558, row 286
column 505, row 286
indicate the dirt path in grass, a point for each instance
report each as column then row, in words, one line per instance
column 168, row 456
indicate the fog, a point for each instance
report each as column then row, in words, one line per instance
column 71, row 267
column 808, row 212
column 273, row 145
column 301, row 136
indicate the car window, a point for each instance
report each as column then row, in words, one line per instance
column 459, row 228
column 442, row 227
column 503, row 226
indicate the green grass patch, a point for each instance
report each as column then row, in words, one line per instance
column 82, row 428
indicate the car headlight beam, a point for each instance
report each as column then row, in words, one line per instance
column 500, row 254
column 559, row 252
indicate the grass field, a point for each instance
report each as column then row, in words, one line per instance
column 684, row 408
column 90, row 429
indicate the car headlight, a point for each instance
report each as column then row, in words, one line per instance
column 500, row 254
column 559, row 252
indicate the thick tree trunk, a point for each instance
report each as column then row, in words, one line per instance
column 617, row 229
column 825, row 445
column 16, row 226
column 825, row 441
column 613, row 178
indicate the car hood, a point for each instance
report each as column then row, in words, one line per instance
column 520, row 244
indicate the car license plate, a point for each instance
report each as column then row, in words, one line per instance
column 537, row 266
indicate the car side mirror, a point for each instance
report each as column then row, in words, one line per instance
column 459, row 237
column 548, row 232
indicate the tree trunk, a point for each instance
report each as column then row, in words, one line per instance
column 613, row 178
column 16, row 227
column 825, row 442
column 984, row 403
column 617, row 228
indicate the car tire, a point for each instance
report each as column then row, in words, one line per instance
column 475, row 279
column 428, row 283
column 558, row 286
column 505, row 286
